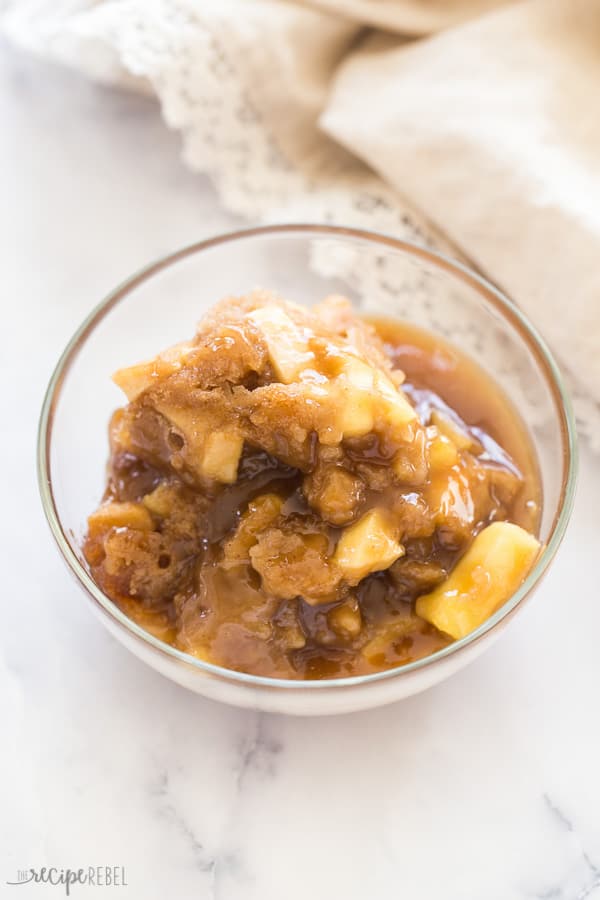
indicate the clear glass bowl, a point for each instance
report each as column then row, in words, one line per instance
column 161, row 305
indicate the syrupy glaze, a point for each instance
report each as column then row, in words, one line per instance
column 251, row 574
column 433, row 365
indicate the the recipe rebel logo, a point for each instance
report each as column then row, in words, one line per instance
column 92, row 876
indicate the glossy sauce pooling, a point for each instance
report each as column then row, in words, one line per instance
column 438, row 373
column 252, row 574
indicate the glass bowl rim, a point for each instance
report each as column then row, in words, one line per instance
column 486, row 290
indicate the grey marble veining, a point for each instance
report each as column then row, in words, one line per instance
column 485, row 788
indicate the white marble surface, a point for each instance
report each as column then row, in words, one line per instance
column 486, row 788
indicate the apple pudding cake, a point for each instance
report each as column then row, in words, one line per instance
column 300, row 493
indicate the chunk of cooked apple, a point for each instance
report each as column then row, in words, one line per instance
column 443, row 452
column 288, row 348
column 397, row 411
column 352, row 413
column 490, row 571
column 459, row 435
column 345, row 618
column 120, row 515
column 211, row 451
column 370, row 545
column 364, row 395
column 221, row 456
column 134, row 380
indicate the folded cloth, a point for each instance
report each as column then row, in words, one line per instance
column 411, row 18
column 490, row 129
column 400, row 115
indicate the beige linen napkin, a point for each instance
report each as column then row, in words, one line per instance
column 477, row 116
column 493, row 128
column 411, row 18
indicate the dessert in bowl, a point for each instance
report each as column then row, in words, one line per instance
column 312, row 505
